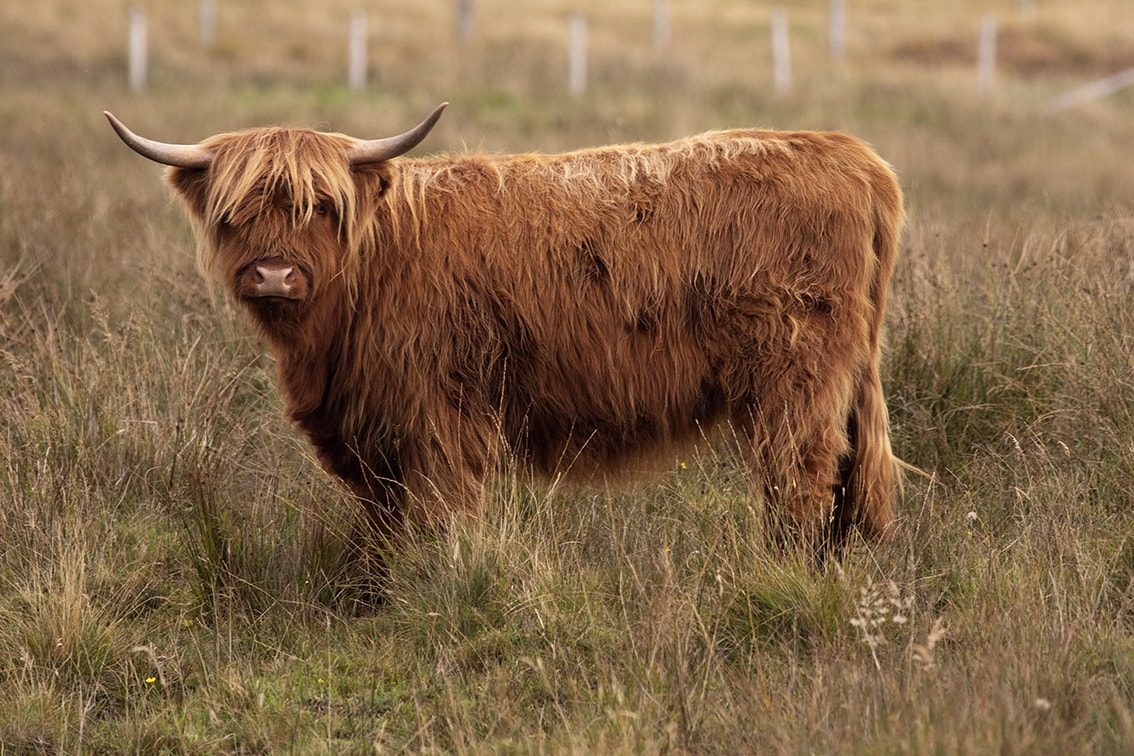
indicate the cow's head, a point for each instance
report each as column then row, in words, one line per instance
column 279, row 211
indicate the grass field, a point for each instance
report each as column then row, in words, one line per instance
column 174, row 574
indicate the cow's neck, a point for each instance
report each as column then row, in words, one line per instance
column 307, row 356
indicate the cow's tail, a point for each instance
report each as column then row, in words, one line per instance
column 872, row 473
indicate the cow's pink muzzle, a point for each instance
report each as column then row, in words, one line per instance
column 272, row 279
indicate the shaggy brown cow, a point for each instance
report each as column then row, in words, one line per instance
column 583, row 311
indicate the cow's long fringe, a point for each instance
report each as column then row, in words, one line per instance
column 258, row 173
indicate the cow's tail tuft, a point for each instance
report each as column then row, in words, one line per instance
column 872, row 474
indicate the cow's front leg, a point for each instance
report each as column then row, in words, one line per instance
column 446, row 467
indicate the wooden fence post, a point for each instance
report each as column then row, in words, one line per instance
column 137, row 49
column 577, row 62
column 837, row 30
column 781, row 52
column 356, row 74
column 1094, row 90
column 661, row 24
column 986, row 55
column 207, row 22
column 464, row 19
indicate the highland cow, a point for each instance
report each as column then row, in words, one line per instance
column 581, row 313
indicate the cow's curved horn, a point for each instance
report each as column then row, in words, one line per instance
column 180, row 155
column 377, row 150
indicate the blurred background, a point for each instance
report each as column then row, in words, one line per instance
column 652, row 67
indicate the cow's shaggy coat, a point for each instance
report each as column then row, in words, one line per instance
column 580, row 312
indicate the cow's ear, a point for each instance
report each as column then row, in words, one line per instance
column 373, row 179
column 192, row 186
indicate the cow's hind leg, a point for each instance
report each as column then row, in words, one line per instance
column 794, row 413
column 794, row 462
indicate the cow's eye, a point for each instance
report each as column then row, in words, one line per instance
column 322, row 208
